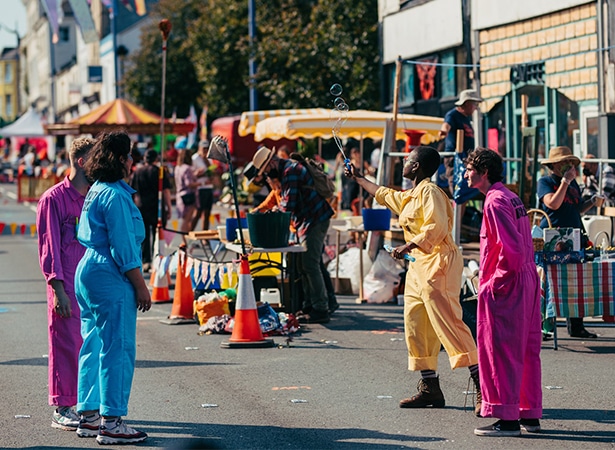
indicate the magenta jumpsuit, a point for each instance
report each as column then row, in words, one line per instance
column 508, row 318
column 59, row 253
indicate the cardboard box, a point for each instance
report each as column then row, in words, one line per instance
column 562, row 239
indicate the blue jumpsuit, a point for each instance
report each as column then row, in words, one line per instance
column 111, row 228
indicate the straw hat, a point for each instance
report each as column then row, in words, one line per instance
column 559, row 154
column 261, row 158
column 469, row 95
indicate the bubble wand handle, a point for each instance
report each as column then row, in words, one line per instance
column 407, row 256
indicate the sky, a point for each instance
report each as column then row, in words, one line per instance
column 14, row 17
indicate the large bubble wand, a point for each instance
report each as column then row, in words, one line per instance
column 339, row 114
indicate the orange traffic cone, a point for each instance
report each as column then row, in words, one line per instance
column 183, row 298
column 246, row 330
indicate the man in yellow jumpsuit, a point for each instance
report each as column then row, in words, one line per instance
column 432, row 312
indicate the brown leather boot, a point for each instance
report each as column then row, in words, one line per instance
column 479, row 395
column 429, row 395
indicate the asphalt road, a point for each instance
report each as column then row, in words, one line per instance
column 348, row 376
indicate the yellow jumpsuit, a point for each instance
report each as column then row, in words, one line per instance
column 432, row 312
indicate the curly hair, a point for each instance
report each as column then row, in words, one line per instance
column 484, row 160
column 105, row 161
column 80, row 147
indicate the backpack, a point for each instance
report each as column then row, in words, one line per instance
column 323, row 185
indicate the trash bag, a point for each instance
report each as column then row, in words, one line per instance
column 381, row 284
column 349, row 266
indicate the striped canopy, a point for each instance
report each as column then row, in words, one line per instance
column 119, row 114
column 249, row 119
column 358, row 124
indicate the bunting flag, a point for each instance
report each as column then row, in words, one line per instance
column 83, row 16
column 192, row 119
column 140, row 7
column 51, row 10
column 203, row 123
column 127, row 4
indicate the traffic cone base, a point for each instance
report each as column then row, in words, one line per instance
column 246, row 330
column 160, row 290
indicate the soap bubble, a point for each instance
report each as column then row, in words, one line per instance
column 339, row 102
column 336, row 89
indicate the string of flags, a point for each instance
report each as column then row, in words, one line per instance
column 204, row 274
column 17, row 229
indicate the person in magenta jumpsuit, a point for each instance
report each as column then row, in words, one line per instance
column 59, row 253
column 508, row 317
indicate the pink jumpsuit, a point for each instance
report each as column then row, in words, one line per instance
column 508, row 317
column 59, row 253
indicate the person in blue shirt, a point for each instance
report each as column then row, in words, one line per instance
column 458, row 118
column 110, row 289
column 560, row 197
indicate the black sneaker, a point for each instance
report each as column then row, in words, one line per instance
column 501, row 428
column 530, row 425
column 315, row 317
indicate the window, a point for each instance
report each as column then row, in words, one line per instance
column 64, row 34
column 447, row 75
column 9, row 105
column 8, row 73
column 406, row 85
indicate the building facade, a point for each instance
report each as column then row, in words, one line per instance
column 551, row 52
column 9, row 92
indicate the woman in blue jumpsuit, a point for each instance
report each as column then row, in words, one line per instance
column 110, row 288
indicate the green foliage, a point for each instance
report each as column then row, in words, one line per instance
column 302, row 47
column 143, row 79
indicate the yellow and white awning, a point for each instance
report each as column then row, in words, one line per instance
column 249, row 119
column 359, row 124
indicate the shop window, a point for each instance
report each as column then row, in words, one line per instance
column 447, row 75
column 406, row 87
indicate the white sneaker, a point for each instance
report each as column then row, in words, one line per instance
column 65, row 418
column 118, row 433
column 89, row 425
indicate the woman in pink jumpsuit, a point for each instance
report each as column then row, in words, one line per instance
column 59, row 252
column 508, row 316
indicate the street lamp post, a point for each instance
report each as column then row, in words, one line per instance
column 252, row 62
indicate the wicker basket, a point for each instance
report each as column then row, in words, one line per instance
column 539, row 244
column 534, row 214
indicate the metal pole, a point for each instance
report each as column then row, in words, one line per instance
column 165, row 29
column 113, row 19
column 252, row 62
column 234, row 189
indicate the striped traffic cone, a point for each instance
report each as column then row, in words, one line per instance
column 160, row 278
column 183, row 297
column 246, row 330
column 160, row 283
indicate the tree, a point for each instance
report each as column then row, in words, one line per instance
column 301, row 53
column 302, row 48
column 143, row 79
